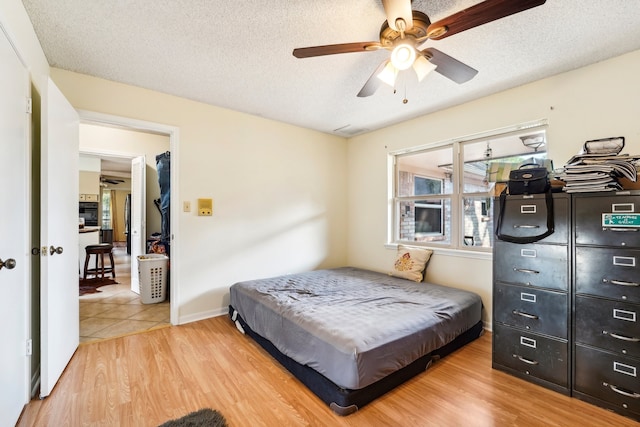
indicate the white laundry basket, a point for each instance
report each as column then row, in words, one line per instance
column 152, row 272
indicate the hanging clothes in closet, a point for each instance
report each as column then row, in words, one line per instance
column 163, row 166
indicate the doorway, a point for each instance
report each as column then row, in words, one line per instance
column 113, row 308
column 116, row 310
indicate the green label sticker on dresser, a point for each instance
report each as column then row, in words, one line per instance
column 621, row 219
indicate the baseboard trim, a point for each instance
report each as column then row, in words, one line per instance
column 202, row 315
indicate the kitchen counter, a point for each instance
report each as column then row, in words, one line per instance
column 88, row 236
column 88, row 229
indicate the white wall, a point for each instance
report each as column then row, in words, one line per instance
column 279, row 191
column 88, row 164
column 598, row 101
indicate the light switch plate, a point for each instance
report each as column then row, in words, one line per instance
column 205, row 207
column 186, row 206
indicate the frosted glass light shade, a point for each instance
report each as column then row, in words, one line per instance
column 422, row 66
column 388, row 74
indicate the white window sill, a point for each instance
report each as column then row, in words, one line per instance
column 446, row 251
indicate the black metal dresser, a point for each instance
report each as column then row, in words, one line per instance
column 606, row 272
column 532, row 293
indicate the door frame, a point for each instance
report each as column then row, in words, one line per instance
column 173, row 132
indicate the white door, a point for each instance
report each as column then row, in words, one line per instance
column 60, row 325
column 14, row 236
column 138, row 218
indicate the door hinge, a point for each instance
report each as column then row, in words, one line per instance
column 29, row 106
column 29, row 347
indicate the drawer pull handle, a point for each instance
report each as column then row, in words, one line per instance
column 525, row 226
column 527, row 361
column 620, row 229
column 525, row 270
column 524, row 283
column 527, row 315
column 624, row 392
column 623, row 338
column 620, row 282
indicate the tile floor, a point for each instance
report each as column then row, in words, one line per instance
column 116, row 310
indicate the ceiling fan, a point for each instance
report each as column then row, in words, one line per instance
column 404, row 33
column 112, row 181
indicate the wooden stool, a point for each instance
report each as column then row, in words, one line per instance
column 99, row 251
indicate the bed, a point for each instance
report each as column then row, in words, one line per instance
column 350, row 334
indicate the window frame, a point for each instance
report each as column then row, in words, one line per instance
column 456, row 196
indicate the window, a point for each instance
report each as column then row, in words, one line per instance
column 106, row 209
column 443, row 193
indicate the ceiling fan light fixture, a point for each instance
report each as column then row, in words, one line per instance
column 422, row 66
column 388, row 74
column 403, row 56
column 406, row 32
column 533, row 141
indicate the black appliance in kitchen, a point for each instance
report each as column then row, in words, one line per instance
column 89, row 211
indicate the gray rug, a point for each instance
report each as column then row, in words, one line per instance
column 202, row 418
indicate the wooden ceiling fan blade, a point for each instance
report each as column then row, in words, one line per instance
column 398, row 9
column 372, row 85
column 450, row 67
column 481, row 13
column 332, row 49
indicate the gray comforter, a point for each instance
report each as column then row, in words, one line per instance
column 354, row 326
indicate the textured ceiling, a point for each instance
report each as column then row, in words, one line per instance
column 237, row 54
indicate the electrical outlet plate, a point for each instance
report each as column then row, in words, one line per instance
column 205, row 207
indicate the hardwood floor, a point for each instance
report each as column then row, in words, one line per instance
column 148, row 378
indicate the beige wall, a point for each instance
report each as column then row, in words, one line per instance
column 598, row 101
column 119, row 229
column 283, row 196
column 274, row 187
column 89, row 182
column 16, row 23
column 279, row 191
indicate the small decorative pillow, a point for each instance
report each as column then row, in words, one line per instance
column 410, row 263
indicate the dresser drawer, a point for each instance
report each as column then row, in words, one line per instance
column 608, row 272
column 608, row 377
column 590, row 227
column 608, row 324
column 533, row 309
column 531, row 354
column 532, row 264
column 526, row 216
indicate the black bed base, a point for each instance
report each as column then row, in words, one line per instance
column 345, row 401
